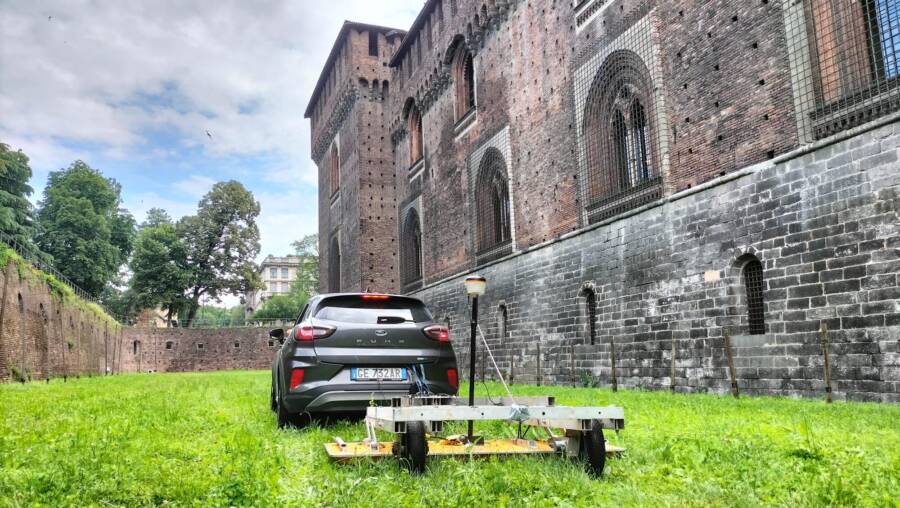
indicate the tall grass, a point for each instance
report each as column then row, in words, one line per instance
column 208, row 439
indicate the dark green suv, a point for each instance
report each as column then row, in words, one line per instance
column 350, row 350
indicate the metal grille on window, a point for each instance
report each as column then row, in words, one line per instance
column 411, row 252
column 334, row 266
column 492, row 210
column 464, row 77
column 590, row 304
column 847, row 55
column 753, row 287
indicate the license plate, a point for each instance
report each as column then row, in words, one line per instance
column 378, row 374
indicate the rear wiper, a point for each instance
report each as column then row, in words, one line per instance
column 391, row 320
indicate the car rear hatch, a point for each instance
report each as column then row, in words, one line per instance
column 375, row 329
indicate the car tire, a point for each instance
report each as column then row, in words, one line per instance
column 273, row 404
column 592, row 450
column 413, row 448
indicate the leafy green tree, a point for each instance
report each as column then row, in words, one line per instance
column 285, row 306
column 222, row 241
column 83, row 227
column 159, row 265
column 16, row 216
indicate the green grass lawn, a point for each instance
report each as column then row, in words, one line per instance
column 210, row 439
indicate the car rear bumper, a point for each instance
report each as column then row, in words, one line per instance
column 352, row 397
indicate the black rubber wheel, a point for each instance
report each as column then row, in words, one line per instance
column 412, row 449
column 593, row 449
column 286, row 419
column 272, row 404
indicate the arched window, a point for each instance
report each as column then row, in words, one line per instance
column 334, row 266
column 136, row 346
column 621, row 154
column 590, row 315
column 414, row 126
column 753, row 288
column 493, row 221
column 411, row 249
column 335, row 169
column 464, row 80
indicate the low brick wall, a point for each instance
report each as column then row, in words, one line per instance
column 196, row 349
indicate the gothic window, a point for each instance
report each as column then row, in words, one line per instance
column 334, row 266
column 855, row 53
column 464, row 81
column 335, row 169
column 753, row 289
column 620, row 144
column 590, row 314
column 492, row 210
column 411, row 249
column 414, row 126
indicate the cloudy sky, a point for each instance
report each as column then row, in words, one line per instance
column 132, row 87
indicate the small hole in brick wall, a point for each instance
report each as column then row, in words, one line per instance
column 716, row 104
column 770, row 154
column 200, row 346
column 762, row 82
column 169, row 344
column 681, row 13
column 687, row 120
column 720, row 137
column 685, row 86
column 766, row 116
column 709, row 35
column 717, row 67
column 237, row 345
column 734, row 19
column 755, row 45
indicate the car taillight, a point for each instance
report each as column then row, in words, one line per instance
column 437, row 332
column 309, row 332
column 453, row 378
column 296, row 378
column 375, row 296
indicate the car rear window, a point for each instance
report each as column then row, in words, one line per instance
column 357, row 309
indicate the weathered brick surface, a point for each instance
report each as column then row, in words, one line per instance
column 196, row 349
column 825, row 226
column 42, row 337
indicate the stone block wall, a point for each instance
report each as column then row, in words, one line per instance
column 825, row 224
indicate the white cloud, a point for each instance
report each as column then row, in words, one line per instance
column 101, row 78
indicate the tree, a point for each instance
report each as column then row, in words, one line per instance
column 16, row 216
column 221, row 241
column 286, row 306
column 160, row 275
column 308, row 271
column 83, row 227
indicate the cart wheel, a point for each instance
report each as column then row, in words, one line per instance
column 593, row 449
column 412, row 450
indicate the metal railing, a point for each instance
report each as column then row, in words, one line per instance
column 37, row 260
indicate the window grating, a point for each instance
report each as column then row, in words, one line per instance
column 847, row 57
column 464, row 78
column 493, row 229
column 753, row 287
column 411, row 252
column 373, row 43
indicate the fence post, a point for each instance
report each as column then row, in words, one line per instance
column 731, row 373
column 823, row 333
column 672, row 383
column 574, row 373
column 612, row 362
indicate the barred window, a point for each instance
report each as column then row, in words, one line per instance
column 622, row 158
column 855, row 48
column 464, row 80
column 414, row 126
column 334, row 266
column 411, row 250
column 373, row 43
column 753, row 287
column 590, row 314
column 493, row 222
column 335, row 170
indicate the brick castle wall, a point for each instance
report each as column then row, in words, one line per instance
column 196, row 349
column 826, row 227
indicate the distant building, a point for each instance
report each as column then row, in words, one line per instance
column 277, row 272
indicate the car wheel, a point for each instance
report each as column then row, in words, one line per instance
column 412, row 450
column 273, row 404
column 593, row 449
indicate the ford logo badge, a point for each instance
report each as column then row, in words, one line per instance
column 381, row 333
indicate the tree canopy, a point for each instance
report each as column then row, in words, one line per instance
column 160, row 275
column 16, row 215
column 221, row 242
column 83, row 227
